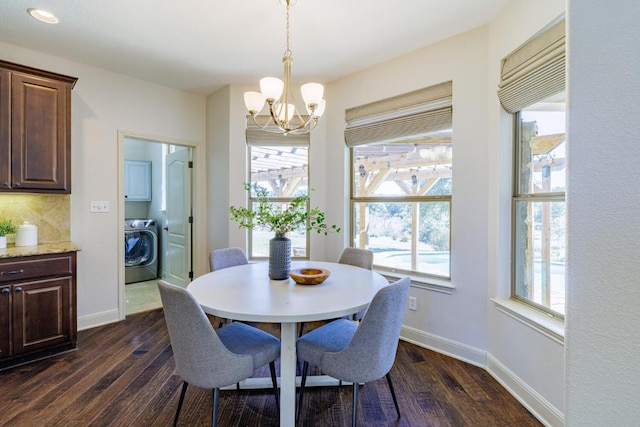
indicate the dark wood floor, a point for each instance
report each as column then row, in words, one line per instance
column 123, row 375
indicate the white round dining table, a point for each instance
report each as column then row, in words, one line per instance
column 246, row 293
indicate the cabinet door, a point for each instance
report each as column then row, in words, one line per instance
column 42, row 314
column 137, row 181
column 5, row 321
column 40, row 141
column 5, row 128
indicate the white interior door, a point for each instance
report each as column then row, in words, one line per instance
column 178, row 259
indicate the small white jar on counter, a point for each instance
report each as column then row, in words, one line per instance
column 26, row 235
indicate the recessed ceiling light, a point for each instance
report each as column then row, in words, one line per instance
column 43, row 15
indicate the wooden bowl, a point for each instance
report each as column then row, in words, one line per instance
column 309, row 275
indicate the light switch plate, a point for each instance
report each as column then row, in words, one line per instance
column 99, row 206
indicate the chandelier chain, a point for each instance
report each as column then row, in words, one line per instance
column 288, row 51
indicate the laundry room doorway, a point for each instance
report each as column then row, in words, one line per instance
column 157, row 199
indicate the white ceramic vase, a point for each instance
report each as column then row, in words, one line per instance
column 3, row 242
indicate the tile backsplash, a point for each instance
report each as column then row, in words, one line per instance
column 49, row 212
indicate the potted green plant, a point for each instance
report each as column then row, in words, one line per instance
column 6, row 227
column 281, row 221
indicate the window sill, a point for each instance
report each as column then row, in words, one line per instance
column 431, row 284
column 541, row 322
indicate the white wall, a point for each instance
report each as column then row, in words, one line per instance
column 603, row 336
column 218, row 167
column 102, row 104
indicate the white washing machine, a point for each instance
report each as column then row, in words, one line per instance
column 140, row 250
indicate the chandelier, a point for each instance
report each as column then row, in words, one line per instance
column 278, row 96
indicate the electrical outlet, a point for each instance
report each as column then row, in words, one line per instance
column 99, row 206
column 413, row 303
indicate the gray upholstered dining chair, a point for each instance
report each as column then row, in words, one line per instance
column 360, row 258
column 227, row 257
column 212, row 359
column 353, row 256
column 358, row 352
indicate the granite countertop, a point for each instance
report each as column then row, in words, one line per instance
column 46, row 248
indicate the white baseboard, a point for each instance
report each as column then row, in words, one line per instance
column 457, row 350
column 529, row 398
column 98, row 319
column 546, row 413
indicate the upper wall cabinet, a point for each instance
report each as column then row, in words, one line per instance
column 137, row 181
column 35, row 130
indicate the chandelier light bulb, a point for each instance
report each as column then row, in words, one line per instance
column 312, row 93
column 271, row 88
column 254, row 101
column 285, row 112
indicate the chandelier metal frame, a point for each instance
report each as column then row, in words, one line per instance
column 284, row 117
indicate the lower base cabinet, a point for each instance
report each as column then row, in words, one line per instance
column 37, row 307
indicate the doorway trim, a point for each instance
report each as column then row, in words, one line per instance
column 198, row 202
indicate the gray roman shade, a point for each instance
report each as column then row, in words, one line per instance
column 407, row 117
column 257, row 136
column 535, row 70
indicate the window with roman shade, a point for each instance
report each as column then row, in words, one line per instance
column 532, row 88
column 401, row 167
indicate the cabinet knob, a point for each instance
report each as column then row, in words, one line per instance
column 16, row 184
column 4, row 291
column 17, row 290
column 4, row 184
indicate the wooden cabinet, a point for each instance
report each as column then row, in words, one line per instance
column 137, row 181
column 35, row 130
column 37, row 307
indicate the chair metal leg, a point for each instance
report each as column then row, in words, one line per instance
column 354, row 421
column 393, row 393
column 272, row 369
column 303, row 382
column 216, row 399
column 184, row 390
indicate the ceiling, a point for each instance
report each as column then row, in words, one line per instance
column 202, row 45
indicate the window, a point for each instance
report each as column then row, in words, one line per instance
column 284, row 172
column 401, row 167
column 532, row 88
column 401, row 206
column 539, row 205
